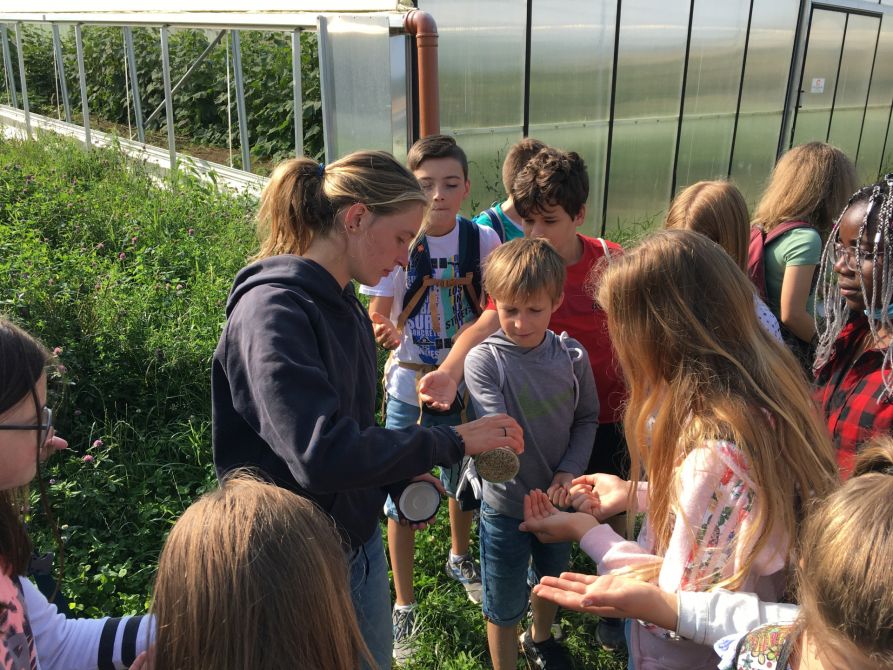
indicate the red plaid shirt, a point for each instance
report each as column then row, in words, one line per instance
column 851, row 394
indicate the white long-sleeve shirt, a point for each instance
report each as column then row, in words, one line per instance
column 83, row 644
column 706, row 617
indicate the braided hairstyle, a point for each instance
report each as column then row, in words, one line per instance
column 877, row 226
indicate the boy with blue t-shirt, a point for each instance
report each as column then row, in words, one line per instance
column 545, row 382
column 502, row 216
column 416, row 312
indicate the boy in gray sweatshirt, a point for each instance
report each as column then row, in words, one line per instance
column 545, row 382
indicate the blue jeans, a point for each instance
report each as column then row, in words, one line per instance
column 506, row 573
column 399, row 414
column 371, row 595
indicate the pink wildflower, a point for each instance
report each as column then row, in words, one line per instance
column 88, row 458
column 122, row 256
column 97, row 443
column 57, row 351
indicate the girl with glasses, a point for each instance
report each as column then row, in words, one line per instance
column 854, row 381
column 32, row 633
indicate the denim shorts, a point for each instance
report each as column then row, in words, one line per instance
column 399, row 414
column 507, row 573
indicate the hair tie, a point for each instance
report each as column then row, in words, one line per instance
column 321, row 170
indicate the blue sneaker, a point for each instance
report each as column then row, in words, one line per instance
column 468, row 574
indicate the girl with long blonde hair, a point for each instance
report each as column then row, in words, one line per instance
column 717, row 210
column 253, row 576
column 725, row 443
column 844, row 582
column 810, row 184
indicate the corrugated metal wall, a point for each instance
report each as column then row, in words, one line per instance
column 672, row 92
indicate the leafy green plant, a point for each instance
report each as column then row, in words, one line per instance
column 200, row 104
column 126, row 280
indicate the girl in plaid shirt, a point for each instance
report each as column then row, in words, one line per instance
column 854, row 383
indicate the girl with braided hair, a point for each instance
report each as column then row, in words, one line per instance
column 854, row 381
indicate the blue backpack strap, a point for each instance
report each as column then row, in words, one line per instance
column 468, row 275
column 420, row 267
column 496, row 222
column 470, row 261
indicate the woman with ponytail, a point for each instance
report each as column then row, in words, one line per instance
column 294, row 376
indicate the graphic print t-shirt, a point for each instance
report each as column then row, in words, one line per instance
column 427, row 337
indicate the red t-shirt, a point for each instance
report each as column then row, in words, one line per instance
column 585, row 321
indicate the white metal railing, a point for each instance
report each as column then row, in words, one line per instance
column 227, row 23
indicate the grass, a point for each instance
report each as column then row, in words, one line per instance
column 127, row 280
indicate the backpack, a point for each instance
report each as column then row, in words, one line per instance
column 769, row 646
column 496, row 222
column 756, row 251
column 468, row 276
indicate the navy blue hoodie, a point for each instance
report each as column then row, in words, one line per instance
column 293, row 387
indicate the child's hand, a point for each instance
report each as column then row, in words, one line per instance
column 551, row 525
column 611, row 596
column 437, row 389
column 559, row 489
column 585, row 499
column 612, row 492
column 386, row 333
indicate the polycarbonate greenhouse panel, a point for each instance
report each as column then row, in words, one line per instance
column 481, row 61
column 877, row 114
column 819, row 81
column 649, row 86
column 716, row 55
column 769, row 50
column 355, row 80
column 571, row 60
column 486, row 150
column 852, row 83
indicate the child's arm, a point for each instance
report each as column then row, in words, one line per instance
column 386, row 333
column 703, row 617
column 582, row 433
column 438, row 389
column 712, row 503
column 611, row 596
column 581, row 436
column 63, row 643
column 482, row 379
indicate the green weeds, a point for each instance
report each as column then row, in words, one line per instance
column 127, row 280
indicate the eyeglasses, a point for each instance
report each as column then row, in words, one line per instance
column 848, row 255
column 44, row 427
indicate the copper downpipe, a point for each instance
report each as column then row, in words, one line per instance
column 421, row 25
